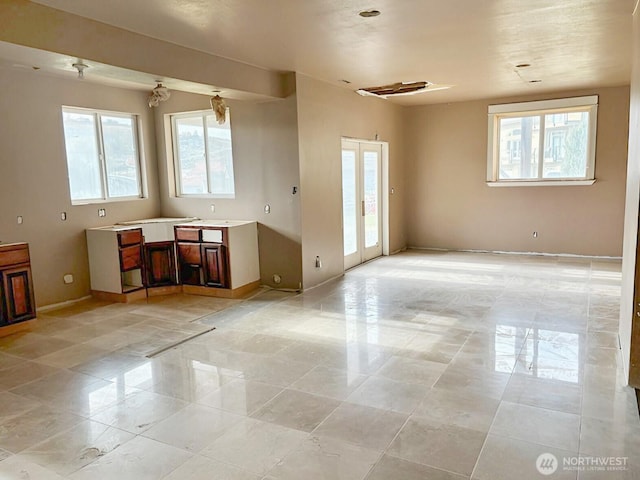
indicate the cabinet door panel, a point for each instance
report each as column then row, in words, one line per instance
column 160, row 264
column 190, row 261
column 18, row 293
column 215, row 265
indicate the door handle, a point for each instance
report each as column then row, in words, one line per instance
column 362, row 208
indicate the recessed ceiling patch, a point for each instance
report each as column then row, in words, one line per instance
column 401, row 88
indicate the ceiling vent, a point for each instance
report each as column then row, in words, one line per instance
column 400, row 88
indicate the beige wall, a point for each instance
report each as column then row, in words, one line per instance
column 33, row 176
column 631, row 213
column 265, row 151
column 325, row 114
column 451, row 207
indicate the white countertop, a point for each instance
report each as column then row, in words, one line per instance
column 217, row 223
column 158, row 220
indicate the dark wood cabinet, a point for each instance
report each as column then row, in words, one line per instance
column 16, row 286
column 160, row 264
column 202, row 263
column 214, row 258
column 151, row 257
column 18, row 289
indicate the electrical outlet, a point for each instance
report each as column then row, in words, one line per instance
column 63, row 216
column 535, row 234
column 277, row 278
column 68, row 278
column 19, row 219
column 267, row 208
column 213, row 208
column 318, row 262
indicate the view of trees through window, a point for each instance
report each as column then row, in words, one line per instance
column 204, row 156
column 102, row 154
column 562, row 154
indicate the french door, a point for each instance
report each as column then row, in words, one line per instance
column 361, row 201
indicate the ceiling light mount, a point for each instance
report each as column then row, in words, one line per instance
column 80, row 67
column 219, row 107
column 159, row 94
column 369, row 13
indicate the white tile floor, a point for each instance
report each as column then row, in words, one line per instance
column 416, row 366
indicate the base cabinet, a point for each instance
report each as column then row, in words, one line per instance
column 205, row 257
column 16, row 286
column 116, row 260
column 218, row 254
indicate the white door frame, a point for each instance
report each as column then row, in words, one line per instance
column 383, row 200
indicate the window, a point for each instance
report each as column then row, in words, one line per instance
column 549, row 142
column 203, row 156
column 102, row 155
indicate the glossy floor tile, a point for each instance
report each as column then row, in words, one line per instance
column 423, row 365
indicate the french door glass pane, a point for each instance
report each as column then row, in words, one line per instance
column 191, row 155
column 81, row 144
column 349, row 202
column 519, row 141
column 220, row 156
column 565, row 145
column 121, row 160
column 371, row 199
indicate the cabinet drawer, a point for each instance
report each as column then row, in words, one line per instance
column 130, row 257
column 130, row 237
column 189, row 234
column 14, row 256
column 189, row 254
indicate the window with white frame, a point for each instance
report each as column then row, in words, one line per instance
column 549, row 142
column 203, row 155
column 103, row 155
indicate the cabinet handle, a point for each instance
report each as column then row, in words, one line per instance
column 194, row 266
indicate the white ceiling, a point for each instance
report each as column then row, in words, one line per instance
column 474, row 45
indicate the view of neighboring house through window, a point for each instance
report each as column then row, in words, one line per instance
column 102, row 155
column 542, row 141
column 203, row 155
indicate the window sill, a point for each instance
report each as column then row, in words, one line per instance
column 98, row 201
column 542, row 183
column 230, row 196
